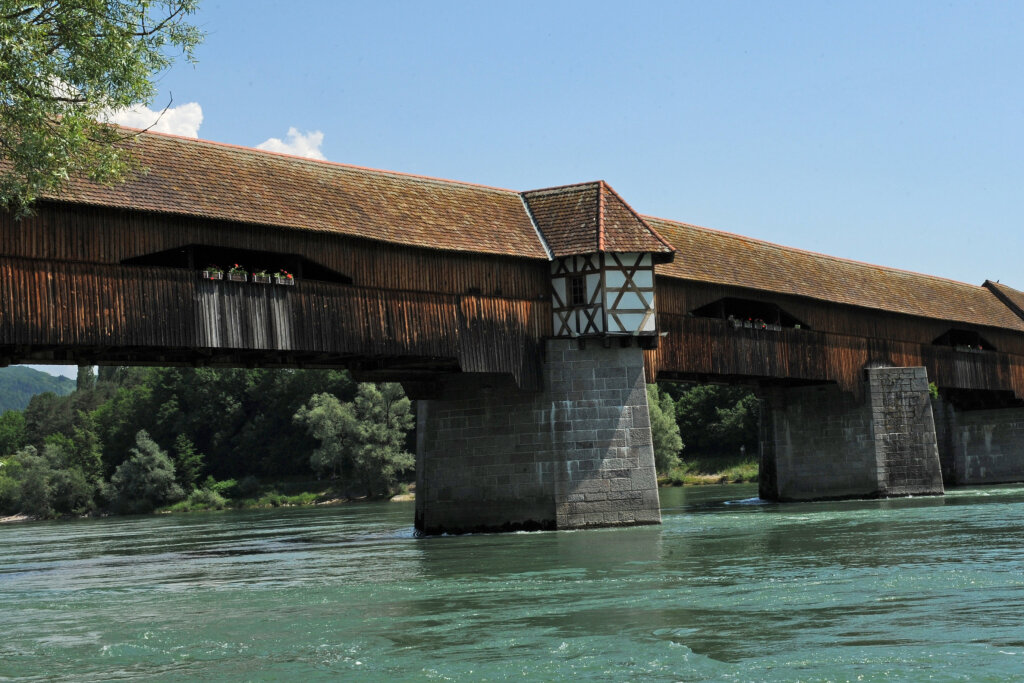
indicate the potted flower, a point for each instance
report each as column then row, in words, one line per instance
column 237, row 273
column 213, row 272
column 283, row 277
column 261, row 276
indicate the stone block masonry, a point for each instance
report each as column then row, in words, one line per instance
column 903, row 427
column 981, row 446
column 577, row 454
column 819, row 442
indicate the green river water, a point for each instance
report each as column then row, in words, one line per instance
column 726, row 589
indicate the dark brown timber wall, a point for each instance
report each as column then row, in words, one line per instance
column 67, row 232
column 152, row 315
column 835, row 345
column 67, row 293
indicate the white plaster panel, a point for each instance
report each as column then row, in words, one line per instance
column 631, row 321
column 558, row 284
column 629, row 300
column 614, row 278
column 644, row 278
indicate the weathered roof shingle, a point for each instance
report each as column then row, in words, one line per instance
column 728, row 259
column 590, row 218
column 210, row 180
column 196, row 178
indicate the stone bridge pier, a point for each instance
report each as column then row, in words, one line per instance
column 818, row 442
column 984, row 446
column 491, row 457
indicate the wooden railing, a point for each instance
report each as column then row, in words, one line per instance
column 90, row 307
column 707, row 347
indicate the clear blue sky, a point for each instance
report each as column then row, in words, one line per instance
column 887, row 132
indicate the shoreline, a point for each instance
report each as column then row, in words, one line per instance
column 692, row 480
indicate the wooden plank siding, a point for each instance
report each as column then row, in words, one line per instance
column 115, row 313
column 65, row 294
column 69, row 232
column 838, row 342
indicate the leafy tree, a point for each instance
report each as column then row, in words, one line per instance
column 86, row 379
column 146, row 479
column 118, row 421
column 10, row 486
column 736, row 426
column 664, row 429
column 12, row 432
column 63, row 65
column 716, row 420
column 71, row 490
column 188, row 463
column 364, row 440
column 384, row 418
column 47, row 414
column 35, row 489
column 86, row 450
column 334, row 425
column 45, row 485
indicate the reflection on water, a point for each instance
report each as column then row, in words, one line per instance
column 728, row 587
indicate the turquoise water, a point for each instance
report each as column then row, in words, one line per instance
column 725, row 589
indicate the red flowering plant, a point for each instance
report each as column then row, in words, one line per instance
column 283, row 275
column 236, row 269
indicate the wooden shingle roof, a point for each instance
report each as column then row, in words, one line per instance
column 1013, row 298
column 195, row 178
column 589, row 218
column 724, row 258
column 191, row 177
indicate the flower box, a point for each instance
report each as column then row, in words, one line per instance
column 261, row 279
column 287, row 281
column 237, row 277
column 213, row 275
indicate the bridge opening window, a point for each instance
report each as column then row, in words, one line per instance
column 749, row 313
column 578, row 290
column 964, row 340
column 199, row 256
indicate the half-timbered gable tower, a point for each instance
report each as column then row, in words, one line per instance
column 602, row 261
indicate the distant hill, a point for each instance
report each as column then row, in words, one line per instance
column 19, row 384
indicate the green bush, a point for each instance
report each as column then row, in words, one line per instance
column 146, row 479
column 248, row 487
column 206, row 499
column 227, row 488
column 710, row 470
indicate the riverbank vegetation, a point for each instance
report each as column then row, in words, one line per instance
column 139, row 440
column 703, row 433
column 134, row 440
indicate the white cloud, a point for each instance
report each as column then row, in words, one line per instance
column 307, row 145
column 184, row 120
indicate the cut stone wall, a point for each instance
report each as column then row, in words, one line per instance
column 982, row 446
column 820, row 442
column 577, row 454
column 904, row 432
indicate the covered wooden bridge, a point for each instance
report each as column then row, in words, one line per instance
column 551, row 305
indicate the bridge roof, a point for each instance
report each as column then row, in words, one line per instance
column 212, row 180
column 592, row 217
column 728, row 259
column 218, row 181
column 1011, row 297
